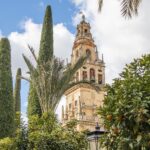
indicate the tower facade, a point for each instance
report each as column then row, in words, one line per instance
column 82, row 100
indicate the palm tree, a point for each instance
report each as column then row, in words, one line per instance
column 128, row 7
column 50, row 84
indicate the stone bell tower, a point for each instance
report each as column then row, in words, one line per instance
column 82, row 100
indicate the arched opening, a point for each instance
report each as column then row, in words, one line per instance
column 84, row 75
column 76, row 102
column 85, row 31
column 92, row 74
column 88, row 53
column 99, row 79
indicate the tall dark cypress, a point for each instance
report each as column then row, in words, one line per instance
column 17, row 97
column 33, row 103
column 45, row 54
column 46, row 43
column 6, row 90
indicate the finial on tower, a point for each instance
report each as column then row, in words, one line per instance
column 83, row 16
column 97, row 57
column 102, row 58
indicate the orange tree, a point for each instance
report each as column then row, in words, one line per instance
column 126, row 109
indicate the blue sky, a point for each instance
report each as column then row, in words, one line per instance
column 13, row 12
column 119, row 39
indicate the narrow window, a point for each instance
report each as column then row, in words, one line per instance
column 88, row 53
column 84, row 75
column 69, row 106
column 84, row 113
column 99, row 78
column 76, row 103
column 92, row 74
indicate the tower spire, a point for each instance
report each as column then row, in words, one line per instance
column 97, row 57
column 102, row 58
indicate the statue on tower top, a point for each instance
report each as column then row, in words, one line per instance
column 83, row 16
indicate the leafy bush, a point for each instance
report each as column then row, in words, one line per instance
column 7, row 144
column 126, row 109
column 45, row 133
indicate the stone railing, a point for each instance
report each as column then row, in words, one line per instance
column 88, row 118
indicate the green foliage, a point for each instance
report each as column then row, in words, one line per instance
column 50, row 84
column 46, row 43
column 45, row 54
column 72, row 124
column 17, row 97
column 6, row 91
column 21, row 137
column 18, row 142
column 126, row 109
column 7, row 144
column 33, row 103
column 46, row 133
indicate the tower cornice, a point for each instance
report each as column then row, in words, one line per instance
column 83, row 41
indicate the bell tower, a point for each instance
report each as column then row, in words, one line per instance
column 82, row 100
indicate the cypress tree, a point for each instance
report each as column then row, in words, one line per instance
column 33, row 103
column 46, row 43
column 6, row 90
column 45, row 54
column 17, row 97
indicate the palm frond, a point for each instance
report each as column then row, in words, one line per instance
column 33, row 53
column 64, row 80
column 29, row 64
column 25, row 78
column 68, row 75
column 136, row 4
column 52, row 79
column 100, row 4
column 130, row 7
column 70, row 71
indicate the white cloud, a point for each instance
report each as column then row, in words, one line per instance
column 118, row 39
column 19, row 44
column 63, row 40
column 24, row 118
